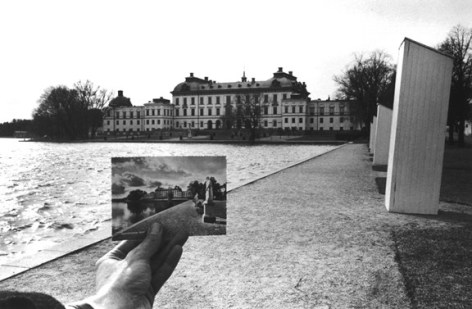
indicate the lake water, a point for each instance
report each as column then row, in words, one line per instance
column 51, row 192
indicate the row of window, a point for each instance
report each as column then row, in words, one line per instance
column 239, row 99
column 152, row 121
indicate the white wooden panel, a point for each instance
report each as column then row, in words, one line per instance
column 418, row 122
column 382, row 135
column 373, row 123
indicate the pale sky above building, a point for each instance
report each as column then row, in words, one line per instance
column 146, row 48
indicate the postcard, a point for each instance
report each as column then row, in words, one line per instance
column 181, row 193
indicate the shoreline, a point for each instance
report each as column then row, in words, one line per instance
column 325, row 241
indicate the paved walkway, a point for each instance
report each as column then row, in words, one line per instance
column 316, row 235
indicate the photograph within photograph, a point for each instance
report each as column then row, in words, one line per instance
column 181, row 193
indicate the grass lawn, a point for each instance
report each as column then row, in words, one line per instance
column 436, row 264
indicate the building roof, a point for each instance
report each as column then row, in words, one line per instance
column 281, row 81
column 120, row 101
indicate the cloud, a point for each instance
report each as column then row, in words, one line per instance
column 132, row 180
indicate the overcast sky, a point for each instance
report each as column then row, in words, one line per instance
column 146, row 48
column 148, row 173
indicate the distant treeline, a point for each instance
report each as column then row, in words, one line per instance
column 8, row 128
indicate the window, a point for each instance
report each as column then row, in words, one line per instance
column 256, row 98
column 124, row 114
column 293, row 110
column 274, row 123
column 228, row 99
column 147, row 121
column 153, row 122
column 192, row 99
column 293, row 120
column 124, row 121
column 131, row 114
column 321, row 128
column 193, row 113
column 274, row 98
column 185, row 124
column 147, row 112
column 312, row 110
column 341, row 129
column 266, row 98
column 331, row 110
column 265, row 123
column 109, row 113
column 209, row 111
column 185, row 101
column 117, row 122
column 341, row 110
column 266, row 110
column 177, row 124
column 284, row 96
column 193, row 124
column 176, row 101
column 238, row 99
column 159, row 112
column 300, row 120
column 331, row 120
column 321, row 110
column 341, row 119
column 201, row 111
column 312, row 120
column 217, row 100
column 131, row 122
column 274, row 110
column 153, row 112
column 300, row 109
column 201, row 100
column 158, row 121
column 248, row 98
column 185, row 112
column 286, row 110
column 201, row 124
column 177, row 112
column 286, row 120
column 108, row 122
column 321, row 120
column 117, row 115
column 217, row 112
column 138, row 114
column 209, row 100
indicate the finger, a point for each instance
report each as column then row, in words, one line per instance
column 158, row 259
column 150, row 244
column 160, row 276
column 120, row 251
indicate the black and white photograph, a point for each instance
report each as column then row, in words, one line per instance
column 178, row 192
column 236, row 154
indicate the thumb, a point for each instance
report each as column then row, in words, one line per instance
column 150, row 244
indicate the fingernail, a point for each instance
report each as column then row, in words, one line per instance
column 155, row 228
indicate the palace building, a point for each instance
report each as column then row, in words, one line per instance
column 203, row 104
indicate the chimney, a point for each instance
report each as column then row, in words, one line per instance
column 290, row 73
column 206, row 78
column 120, row 93
column 253, row 80
column 191, row 74
column 280, row 69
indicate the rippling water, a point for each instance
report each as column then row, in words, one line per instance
column 50, row 192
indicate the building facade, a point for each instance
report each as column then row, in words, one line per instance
column 281, row 102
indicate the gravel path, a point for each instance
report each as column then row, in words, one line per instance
column 316, row 235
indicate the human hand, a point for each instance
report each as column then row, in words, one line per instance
column 131, row 274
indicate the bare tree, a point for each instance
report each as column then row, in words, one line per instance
column 458, row 45
column 95, row 99
column 368, row 81
column 245, row 112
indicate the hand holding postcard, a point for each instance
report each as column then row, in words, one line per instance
column 181, row 193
